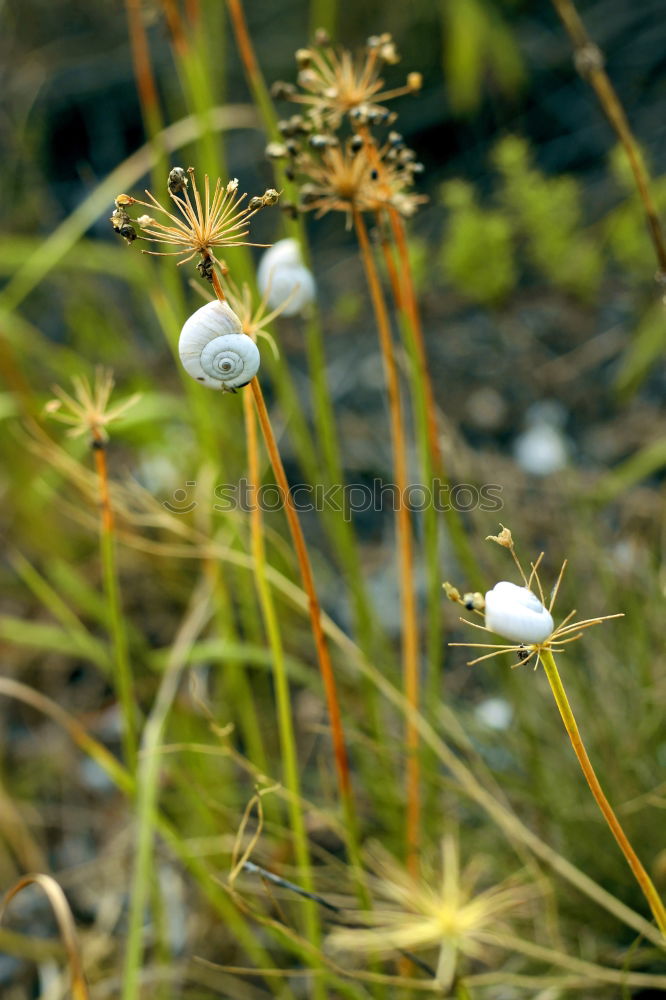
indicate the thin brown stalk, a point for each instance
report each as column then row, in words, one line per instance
column 589, row 61
column 143, row 73
column 410, row 641
column 101, row 468
column 408, row 303
column 175, row 24
column 243, row 41
column 305, row 567
column 66, row 926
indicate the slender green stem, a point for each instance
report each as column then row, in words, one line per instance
column 285, row 718
column 147, row 789
column 122, row 668
column 642, row 877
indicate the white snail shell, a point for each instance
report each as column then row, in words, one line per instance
column 214, row 350
column 283, row 275
column 517, row 614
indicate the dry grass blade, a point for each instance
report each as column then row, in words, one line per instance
column 63, row 915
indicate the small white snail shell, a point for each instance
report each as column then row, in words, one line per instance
column 282, row 272
column 515, row 613
column 214, row 350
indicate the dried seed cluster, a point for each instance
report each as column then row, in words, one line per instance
column 330, row 149
column 205, row 221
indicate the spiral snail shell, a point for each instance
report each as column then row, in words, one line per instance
column 214, row 350
column 283, row 278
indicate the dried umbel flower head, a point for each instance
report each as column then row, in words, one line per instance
column 444, row 913
column 88, row 410
column 356, row 175
column 516, row 613
column 334, row 84
column 202, row 225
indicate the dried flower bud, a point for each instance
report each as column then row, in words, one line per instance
column 415, row 81
column 124, row 199
column 474, row 602
column 122, row 224
column 308, row 78
column 177, row 181
column 303, row 58
column 282, row 91
column 232, row 185
column 255, row 203
column 389, row 53
column 322, row 37
column 145, row 220
column 206, row 267
column 276, row 150
column 270, row 196
column 309, row 193
column 504, row 538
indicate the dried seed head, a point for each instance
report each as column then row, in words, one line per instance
column 198, row 222
column 177, row 181
column 255, row 203
column 270, row 196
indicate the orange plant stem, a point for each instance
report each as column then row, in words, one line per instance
column 243, row 41
column 409, row 304
column 99, row 452
column 143, row 73
column 410, row 647
column 323, row 654
column 642, row 877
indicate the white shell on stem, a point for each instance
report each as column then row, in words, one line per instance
column 282, row 275
column 214, row 350
column 516, row 613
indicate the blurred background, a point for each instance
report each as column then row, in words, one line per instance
column 545, row 332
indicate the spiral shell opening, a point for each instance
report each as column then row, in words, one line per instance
column 214, row 351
